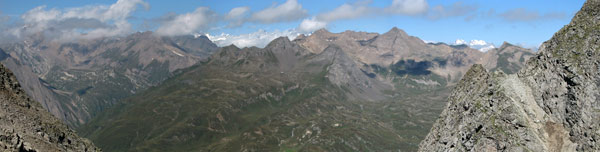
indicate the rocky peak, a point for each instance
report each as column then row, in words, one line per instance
column 142, row 35
column 320, row 32
column 511, row 48
column 300, row 37
column 396, row 32
column 506, row 44
column 477, row 71
column 280, row 41
column 550, row 105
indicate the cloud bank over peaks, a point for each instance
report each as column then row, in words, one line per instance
column 237, row 16
column 86, row 22
column 480, row 45
column 203, row 18
column 188, row 23
column 310, row 25
column 345, row 11
column 291, row 10
column 259, row 38
column 361, row 9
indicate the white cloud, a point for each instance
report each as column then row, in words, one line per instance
column 237, row 12
column 98, row 21
column 289, row 11
column 486, row 48
column 524, row 15
column 362, row 9
column 456, row 9
column 310, row 25
column 428, row 41
column 237, row 16
column 478, row 42
column 408, row 7
column 480, row 45
column 345, row 11
column 187, row 23
column 459, row 42
column 259, row 38
column 123, row 8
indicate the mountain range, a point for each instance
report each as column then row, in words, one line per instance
column 324, row 91
column 349, row 91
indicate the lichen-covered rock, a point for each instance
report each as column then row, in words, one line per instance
column 26, row 126
column 550, row 105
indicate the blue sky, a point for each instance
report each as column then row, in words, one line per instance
column 527, row 23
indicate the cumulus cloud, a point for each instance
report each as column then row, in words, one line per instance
column 460, row 42
column 346, row 11
column 81, row 22
column 456, row 9
column 522, row 14
column 289, row 11
column 187, row 23
column 310, row 25
column 237, row 16
column 478, row 42
column 408, row 7
column 259, row 38
column 237, row 12
column 361, row 9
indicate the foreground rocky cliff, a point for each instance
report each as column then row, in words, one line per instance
column 550, row 105
column 26, row 126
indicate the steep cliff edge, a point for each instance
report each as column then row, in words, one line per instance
column 26, row 126
column 550, row 105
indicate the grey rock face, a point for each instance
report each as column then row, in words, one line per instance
column 550, row 105
column 26, row 126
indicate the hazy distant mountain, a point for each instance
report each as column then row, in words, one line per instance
column 324, row 92
column 76, row 80
column 25, row 126
column 549, row 105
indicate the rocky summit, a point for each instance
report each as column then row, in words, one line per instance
column 26, row 126
column 550, row 105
